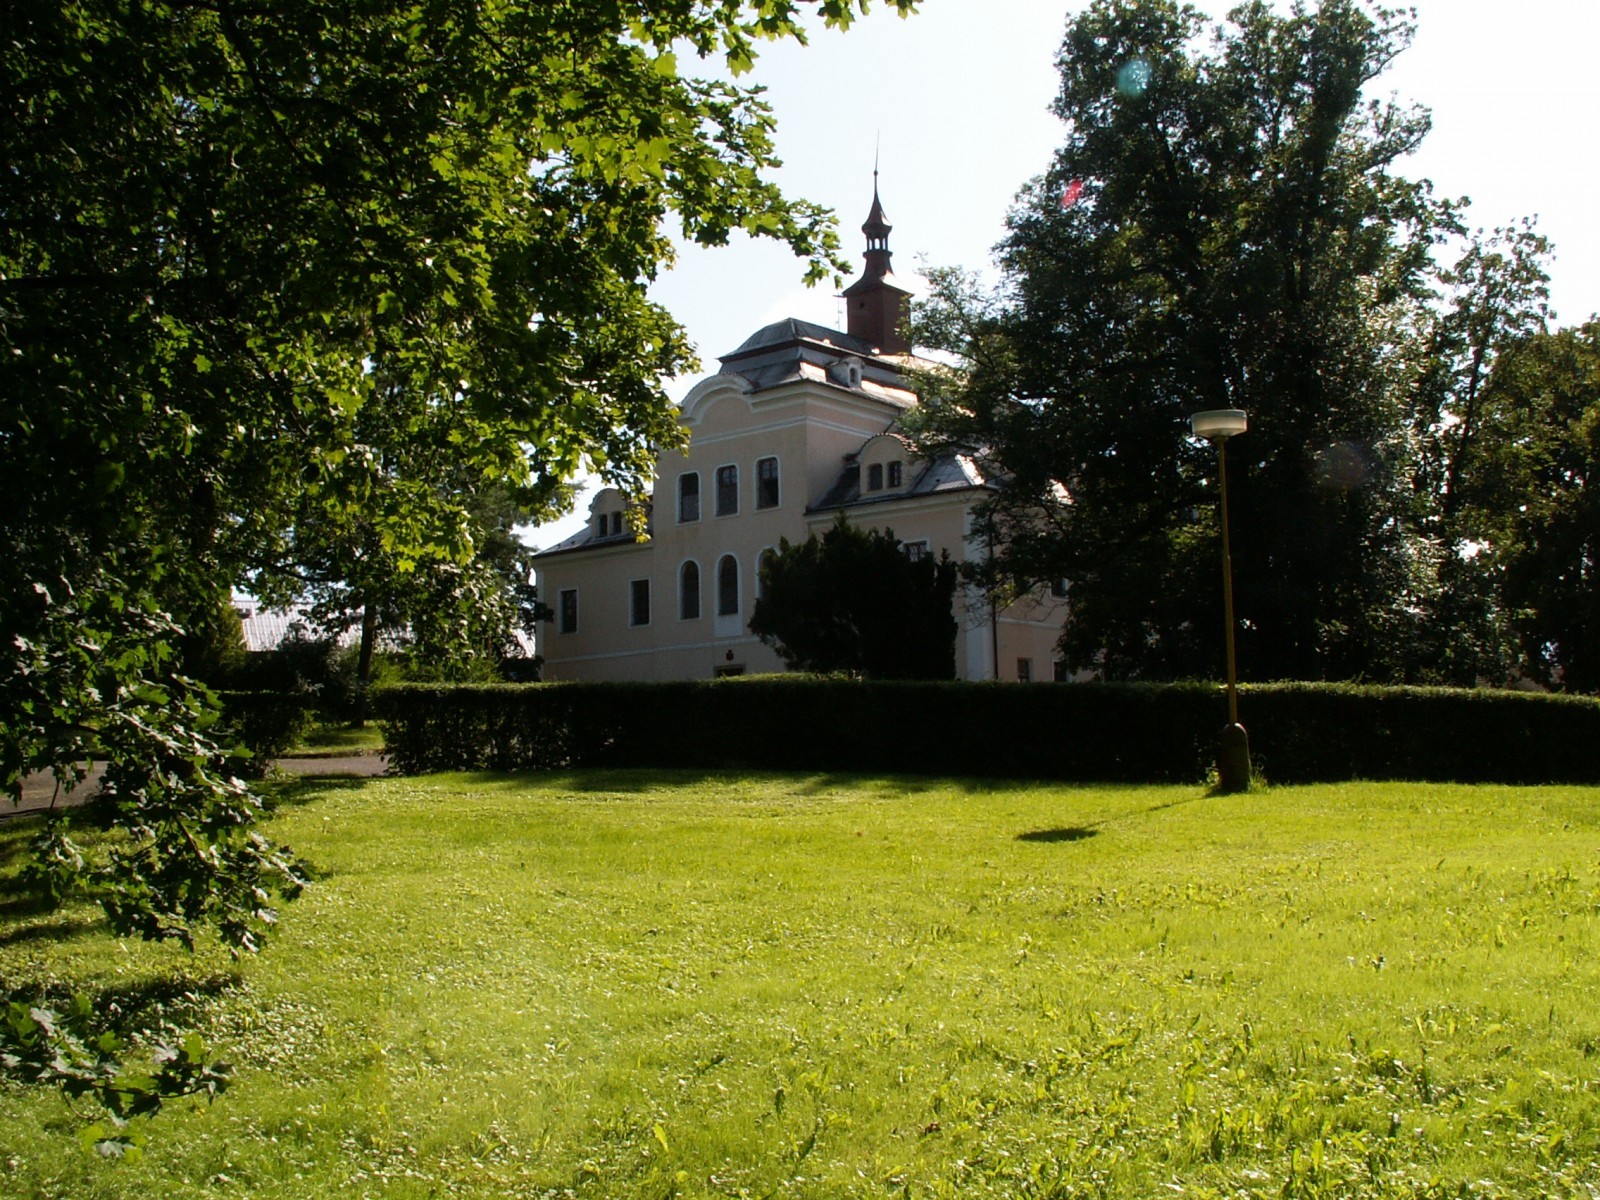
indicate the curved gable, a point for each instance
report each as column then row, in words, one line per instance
column 710, row 393
column 888, row 464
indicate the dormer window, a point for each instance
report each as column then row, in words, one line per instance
column 846, row 372
column 897, row 474
column 875, row 477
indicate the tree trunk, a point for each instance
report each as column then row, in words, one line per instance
column 369, row 635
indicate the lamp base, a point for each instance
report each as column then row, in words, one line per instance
column 1233, row 763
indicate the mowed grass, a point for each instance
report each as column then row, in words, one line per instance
column 650, row 985
column 330, row 740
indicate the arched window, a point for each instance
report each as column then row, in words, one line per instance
column 728, row 586
column 689, row 591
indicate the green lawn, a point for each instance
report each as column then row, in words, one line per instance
column 330, row 740
column 645, row 985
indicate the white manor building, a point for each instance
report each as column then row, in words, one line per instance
column 798, row 426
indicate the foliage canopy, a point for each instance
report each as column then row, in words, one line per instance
column 228, row 229
column 1224, row 227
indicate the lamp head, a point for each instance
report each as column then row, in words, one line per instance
column 1219, row 424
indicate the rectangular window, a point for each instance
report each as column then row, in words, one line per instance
column 1060, row 670
column 639, row 602
column 875, row 477
column 689, row 497
column 766, row 483
column 916, row 551
column 569, row 610
column 897, row 473
column 727, row 491
column 1024, row 670
column 616, row 524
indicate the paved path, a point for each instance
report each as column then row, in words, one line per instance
column 38, row 790
column 359, row 766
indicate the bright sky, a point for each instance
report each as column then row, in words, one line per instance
column 956, row 100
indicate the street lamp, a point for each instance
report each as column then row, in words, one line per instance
column 1233, row 764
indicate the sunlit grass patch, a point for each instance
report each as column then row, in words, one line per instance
column 640, row 984
column 332, row 739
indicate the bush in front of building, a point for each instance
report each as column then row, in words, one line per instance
column 1089, row 732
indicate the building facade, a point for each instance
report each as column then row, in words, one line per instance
column 799, row 425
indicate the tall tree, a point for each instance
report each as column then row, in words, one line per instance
column 1222, row 228
column 1534, row 492
column 853, row 601
column 224, row 225
column 1494, row 299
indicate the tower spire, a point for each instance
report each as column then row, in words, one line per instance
column 877, row 306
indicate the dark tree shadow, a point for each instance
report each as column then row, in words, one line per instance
column 175, row 1000
column 1076, row 833
column 1180, row 803
column 178, row 998
column 299, row 790
column 58, row 930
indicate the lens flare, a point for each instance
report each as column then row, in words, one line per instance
column 1343, row 467
column 1133, row 78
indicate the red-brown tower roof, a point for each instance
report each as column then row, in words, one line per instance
column 877, row 307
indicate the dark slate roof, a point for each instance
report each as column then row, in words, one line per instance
column 947, row 473
column 790, row 350
column 792, row 329
column 586, row 539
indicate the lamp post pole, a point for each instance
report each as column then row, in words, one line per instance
column 1227, row 586
column 1233, row 763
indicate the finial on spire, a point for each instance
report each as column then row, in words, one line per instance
column 877, row 227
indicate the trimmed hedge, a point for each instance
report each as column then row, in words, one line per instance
column 1089, row 732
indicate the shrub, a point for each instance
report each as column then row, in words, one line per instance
column 263, row 725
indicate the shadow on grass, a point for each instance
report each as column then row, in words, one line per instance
column 642, row 780
column 60, row 930
column 175, row 1000
column 1075, row 833
column 1155, row 808
column 1078, row 833
column 299, row 790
